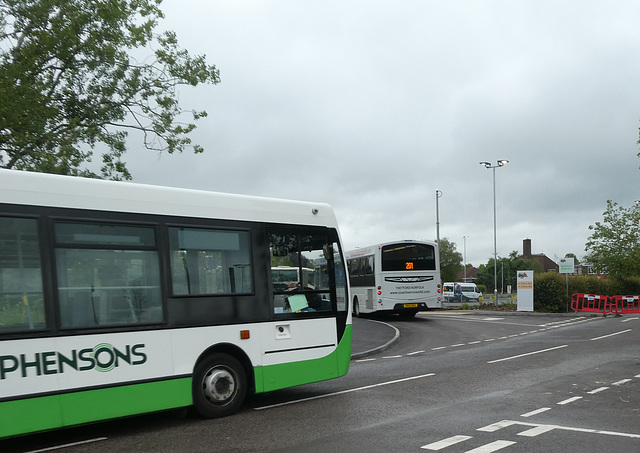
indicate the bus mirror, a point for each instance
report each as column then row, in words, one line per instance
column 327, row 252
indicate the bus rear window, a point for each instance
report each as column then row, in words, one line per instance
column 408, row 257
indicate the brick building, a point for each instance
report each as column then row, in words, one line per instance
column 547, row 263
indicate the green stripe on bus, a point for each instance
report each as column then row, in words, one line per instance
column 336, row 364
column 55, row 411
column 37, row 414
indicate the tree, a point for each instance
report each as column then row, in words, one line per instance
column 507, row 271
column 614, row 245
column 576, row 261
column 450, row 261
column 69, row 83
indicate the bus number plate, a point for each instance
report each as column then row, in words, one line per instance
column 410, row 305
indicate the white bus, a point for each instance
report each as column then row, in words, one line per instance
column 119, row 299
column 400, row 277
column 289, row 277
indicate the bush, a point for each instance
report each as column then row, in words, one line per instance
column 550, row 289
column 549, row 293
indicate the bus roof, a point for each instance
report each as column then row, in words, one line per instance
column 40, row 189
column 368, row 250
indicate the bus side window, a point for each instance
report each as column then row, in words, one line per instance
column 107, row 274
column 21, row 298
column 210, row 261
column 369, row 265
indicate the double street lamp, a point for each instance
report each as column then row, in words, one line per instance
column 501, row 163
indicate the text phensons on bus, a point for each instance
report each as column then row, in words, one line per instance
column 103, row 357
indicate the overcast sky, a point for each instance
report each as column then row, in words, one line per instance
column 372, row 106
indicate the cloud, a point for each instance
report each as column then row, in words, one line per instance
column 373, row 105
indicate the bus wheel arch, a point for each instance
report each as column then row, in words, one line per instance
column 221, row 382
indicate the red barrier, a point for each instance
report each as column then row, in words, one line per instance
column 594, row 303
column 625, row 304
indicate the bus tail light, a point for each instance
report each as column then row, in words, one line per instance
column 379, row 292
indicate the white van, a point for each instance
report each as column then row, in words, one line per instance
column 466, row 292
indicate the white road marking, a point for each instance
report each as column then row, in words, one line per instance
column 569, row 400
column 493, row 446
column 392, row 357
column 624, row 381
column 598, row 390
column 527, row 354
column 610, row 335
column 505, row 423
column 435, row 446
column 357, row 389
column 496, row 426
column 536, row 412
column 74, row 444
column 536, row 431
column 415, row 352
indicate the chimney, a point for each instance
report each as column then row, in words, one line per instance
column 526, row 248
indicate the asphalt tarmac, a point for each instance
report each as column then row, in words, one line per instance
column 371, row 336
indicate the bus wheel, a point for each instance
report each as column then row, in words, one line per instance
column 356, row 307
column 219, row 386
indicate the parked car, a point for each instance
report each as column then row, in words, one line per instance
column 460, row 292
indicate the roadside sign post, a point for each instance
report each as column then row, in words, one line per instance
column 525, row 290
column 567, row 267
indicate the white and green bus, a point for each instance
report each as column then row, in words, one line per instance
column 119, row 299
column 396, row 277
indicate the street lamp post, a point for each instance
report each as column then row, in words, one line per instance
column 501, row 163
column 464, row 264
column 438, row 195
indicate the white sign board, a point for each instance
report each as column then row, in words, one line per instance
column 525, row 290
column 566, row 266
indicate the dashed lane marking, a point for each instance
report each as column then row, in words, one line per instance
column 527, row 354
column 611, row 335
column 598, row 390
column 536, row 412
column 457, row 345
column 569, row 400
column 444, row 443
column 357, row 389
